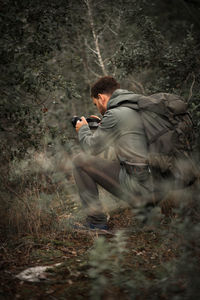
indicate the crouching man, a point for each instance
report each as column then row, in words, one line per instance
column 128, row 177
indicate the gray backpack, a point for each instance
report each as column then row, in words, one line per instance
column 170, row 134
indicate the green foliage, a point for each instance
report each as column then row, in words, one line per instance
column 21, row 128
column 152, row 53
column 107, row 259
column 180, row 277
column 99, row 262
column 175, row 279
column 162, row 65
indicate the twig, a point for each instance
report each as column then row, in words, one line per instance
column 91, row 48
column 191, row 88
column 112, row 31
column 139, row 85
column 19, row 197
column 94, row 73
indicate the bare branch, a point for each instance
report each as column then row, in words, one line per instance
column 95, row 37
column 115, row 33
column 94, row 73
column 104, row 27
column 191, row 88
column 139, row 86
column 90, row 48
column 97, row 63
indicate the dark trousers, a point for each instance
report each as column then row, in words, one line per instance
column 89, row 172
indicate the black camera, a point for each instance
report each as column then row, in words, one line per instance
column 93, row 121
column 75, row 119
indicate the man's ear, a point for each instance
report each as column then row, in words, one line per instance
column 100, row 96
column 103, row 98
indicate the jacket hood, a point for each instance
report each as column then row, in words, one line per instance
column 120, row 96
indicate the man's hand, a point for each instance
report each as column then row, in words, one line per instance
column 79, row 124
column 95, row 117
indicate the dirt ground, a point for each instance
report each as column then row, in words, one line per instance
column 148, row 251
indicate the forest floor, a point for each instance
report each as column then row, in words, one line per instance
column 147, row 253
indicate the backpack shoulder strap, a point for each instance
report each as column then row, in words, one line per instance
column 127, row 103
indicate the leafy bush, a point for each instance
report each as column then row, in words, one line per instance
column 107, row 259
column 158, row 64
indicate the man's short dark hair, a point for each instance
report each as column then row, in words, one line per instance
column 105, row 85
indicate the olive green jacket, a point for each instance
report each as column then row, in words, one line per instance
column 121, row 127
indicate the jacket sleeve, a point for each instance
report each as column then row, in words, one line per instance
column 102, row 138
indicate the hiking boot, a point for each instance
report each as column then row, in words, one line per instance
column 100, row 229
column 98, row 226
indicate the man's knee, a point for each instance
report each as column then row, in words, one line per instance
column 77, row 160
column 82, row 160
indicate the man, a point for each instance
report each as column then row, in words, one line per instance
column 129, row 177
